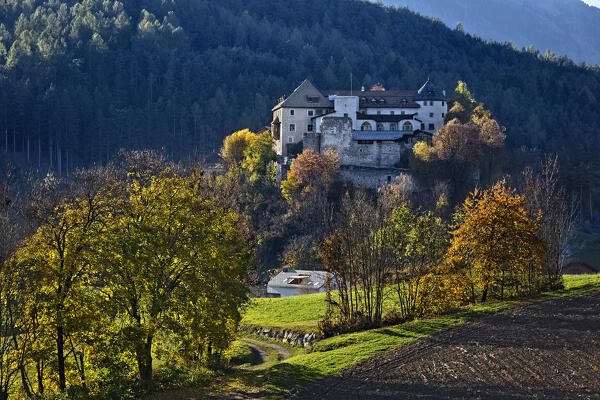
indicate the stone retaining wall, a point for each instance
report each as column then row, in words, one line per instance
column 286, row 336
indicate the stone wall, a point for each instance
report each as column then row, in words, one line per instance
column 336, row 133
column 312, row 140
column 371, row 177
column 300, row 339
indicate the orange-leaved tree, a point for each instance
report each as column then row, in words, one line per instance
column 495, row 237
column 310, row 171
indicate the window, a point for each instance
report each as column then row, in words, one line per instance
column 311, row 113
column 431, row 103
column 389, row 179
column 296, row 280
column 443, row 115
column 292, row 112
column 393, row 126
column 430, row 115
column 365, row 142
column 443, row 103
column 407, row 126
column 380, row 126
column 312, row 99
column 345, row 115
column 310, row 128
column 402, row 112
column 378, row 112
column 292, row 127
column 291, row 139
column 392, row 113
column 431, row 127
column 366, row 127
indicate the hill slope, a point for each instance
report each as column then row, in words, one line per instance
column 568, row 27
column 81, row 79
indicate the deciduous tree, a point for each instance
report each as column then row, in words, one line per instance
column 498, row 240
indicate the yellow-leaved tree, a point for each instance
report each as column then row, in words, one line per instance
column 174, row 268
column 497, row 240
column 57, row 303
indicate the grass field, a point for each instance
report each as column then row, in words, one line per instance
column 333, row 354
column 303, row 313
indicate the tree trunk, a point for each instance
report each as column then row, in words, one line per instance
column 40, row 377
column 144, row 359
column 60, row 347
column 484, row 294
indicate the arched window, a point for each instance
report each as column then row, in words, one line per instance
column 379, row 126
column 393, row 126
column 366, row 127
column 407, row 126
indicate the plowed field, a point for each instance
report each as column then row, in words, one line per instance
column 547, row 350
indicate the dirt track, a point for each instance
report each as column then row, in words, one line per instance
column 548, row 350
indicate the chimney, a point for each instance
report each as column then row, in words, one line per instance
column 444, row 92
column 362, row 89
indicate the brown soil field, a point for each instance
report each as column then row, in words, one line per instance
column 547, row 350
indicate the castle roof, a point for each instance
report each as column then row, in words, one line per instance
column 380, row 99
column 430, row 92
column 384, row 117
column 305, row 95
column 384, row 135
column 308, row 95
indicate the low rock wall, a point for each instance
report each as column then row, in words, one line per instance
column 286, row 336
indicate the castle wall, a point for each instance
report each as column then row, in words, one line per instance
column 370, row 177
column 336, row 133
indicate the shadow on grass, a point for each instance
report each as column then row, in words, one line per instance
column 286, row 376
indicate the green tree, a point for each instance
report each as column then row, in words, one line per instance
column 174, row 263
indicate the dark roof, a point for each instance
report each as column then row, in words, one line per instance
column 384, row 117
column 308, row 96
column 263, row 129
column 430, row 92
column 305, row 96
column 384, row 135
column 380, row 99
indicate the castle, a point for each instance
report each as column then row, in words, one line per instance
column 369, row 129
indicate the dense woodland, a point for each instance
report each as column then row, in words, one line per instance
column 81, row 79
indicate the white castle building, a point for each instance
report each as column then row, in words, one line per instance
column 370, row 130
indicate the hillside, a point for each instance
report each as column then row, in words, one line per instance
column 81, row 79
column 566, row 27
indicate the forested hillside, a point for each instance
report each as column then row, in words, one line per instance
column 568, row 27
column 81, row 79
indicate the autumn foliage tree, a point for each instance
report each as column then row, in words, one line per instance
column 310, row 172
column 466, row 150
column 497, row 240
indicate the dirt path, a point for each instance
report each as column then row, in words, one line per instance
column 547, row 350
column 259, row 346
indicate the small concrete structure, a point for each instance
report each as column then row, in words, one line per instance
column 291, row 282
